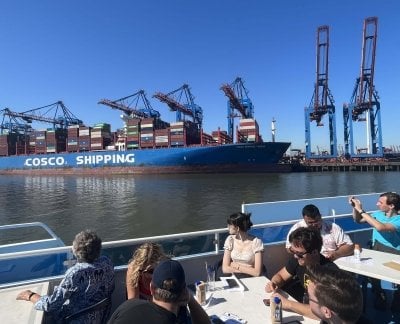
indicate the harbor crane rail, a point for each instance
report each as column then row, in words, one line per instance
column 322, row 101
column 130, row 105
column 364, row 104
column 181, row 100
column 239, row 103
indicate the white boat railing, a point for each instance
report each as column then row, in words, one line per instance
column 182, row 245
column 160, row 238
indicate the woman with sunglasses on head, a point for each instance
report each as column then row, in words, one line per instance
column 140, row 270
column 243, row 252
column 306, row 243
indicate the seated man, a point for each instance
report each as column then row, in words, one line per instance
column 89, row 281
column 335, row 243
column 305, row 247
column 335, row 296
column 168, row 288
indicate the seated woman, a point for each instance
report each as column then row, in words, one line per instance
column 140, row 270
column 243, row 254
column 89, row 281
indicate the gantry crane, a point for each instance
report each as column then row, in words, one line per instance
column 239, row 103
column 41, row 114
column 12, row 124
column 130, row 105
column 364, row 104
column 322, row 102
column 181, row 100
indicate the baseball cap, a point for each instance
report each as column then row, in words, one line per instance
column 169, row 270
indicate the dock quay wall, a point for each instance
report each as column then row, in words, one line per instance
column 362, row 166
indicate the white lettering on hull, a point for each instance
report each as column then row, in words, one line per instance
column 82, row 160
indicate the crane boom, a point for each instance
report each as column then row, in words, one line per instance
column 322, row 99
column 364, row 104
column 39, row 114
column 322, row 102
column 124, row 104
column 189, row 108
column 238, row 99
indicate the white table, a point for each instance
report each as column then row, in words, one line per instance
column 248, row 304
column 20, row 311
column 371, row 265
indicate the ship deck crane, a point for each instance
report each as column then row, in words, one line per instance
column 181, row 100
column 41, row 114
column 364, row 104
column 130, row 105
column 239, row 103
column 322, row 102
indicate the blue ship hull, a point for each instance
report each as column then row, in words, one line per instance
column 246, row 157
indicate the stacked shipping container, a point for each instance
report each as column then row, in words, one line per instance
column 100, row 136
column 137, row 134
column 7, row 144
column 248, row 131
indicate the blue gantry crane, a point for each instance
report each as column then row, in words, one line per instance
column 239, row 103
column 322, row 102
column 364, row 104
column 56, row 113
column 136, row 105
column 182, row 102
column 13, row 125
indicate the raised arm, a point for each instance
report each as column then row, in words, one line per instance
column 357, row 208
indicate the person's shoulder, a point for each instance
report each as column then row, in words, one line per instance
column 331, row 226
column 104, row 260
column 230, row 238
column 364, row 320
column 300, row 223
column 128, row 309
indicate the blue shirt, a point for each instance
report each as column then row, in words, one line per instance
column 84, row 284
column 391, row 239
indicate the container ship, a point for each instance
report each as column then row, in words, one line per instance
column 145, row 143
column 141, row 149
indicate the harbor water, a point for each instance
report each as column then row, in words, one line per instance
column 125, row 207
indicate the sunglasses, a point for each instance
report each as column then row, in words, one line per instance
column 300, row 255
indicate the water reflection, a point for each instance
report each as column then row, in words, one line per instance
column 123, row 207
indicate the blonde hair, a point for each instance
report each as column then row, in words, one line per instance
column 145, row 257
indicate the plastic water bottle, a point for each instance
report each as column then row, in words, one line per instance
column 276, row 310
column 357, row 252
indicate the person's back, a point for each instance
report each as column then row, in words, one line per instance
column 93, row 282
column 170, row 298
column 85, row 284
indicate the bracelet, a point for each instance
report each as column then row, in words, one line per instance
column 362, row 212
column 30, row 295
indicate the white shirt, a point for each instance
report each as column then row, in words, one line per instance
column 332, row 236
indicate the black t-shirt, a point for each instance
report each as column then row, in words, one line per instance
column 141, row 311
column 295, row 269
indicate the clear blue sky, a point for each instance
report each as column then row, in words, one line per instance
column 80, row 51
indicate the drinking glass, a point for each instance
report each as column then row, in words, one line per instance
column 210, row 277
